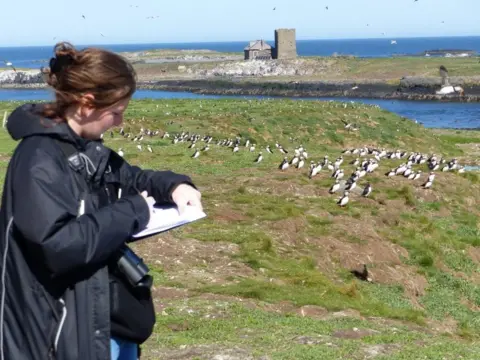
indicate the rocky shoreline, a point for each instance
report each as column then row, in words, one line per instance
column 312, row 89
column 407, row 89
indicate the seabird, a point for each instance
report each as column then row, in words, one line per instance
column 196, row 154
column 367, row 190
column 351, row 185
column 334, row 187
column 362, row 275
column 259, row 157
column 446, row 87
column 344, row 199
column 284, row 165
column 428, row 184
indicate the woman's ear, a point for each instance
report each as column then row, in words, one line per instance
column 88, row 99
column 86, row 105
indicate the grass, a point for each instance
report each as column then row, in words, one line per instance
column 277, row 240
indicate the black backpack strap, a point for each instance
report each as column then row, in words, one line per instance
column 72, row 155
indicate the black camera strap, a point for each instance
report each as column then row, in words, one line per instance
column 72, row 155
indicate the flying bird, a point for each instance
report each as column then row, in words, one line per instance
column 444, row 75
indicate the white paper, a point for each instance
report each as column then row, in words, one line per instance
column 163, row 218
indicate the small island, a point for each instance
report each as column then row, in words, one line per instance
column 263, row 69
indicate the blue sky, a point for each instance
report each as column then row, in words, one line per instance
column 34, row 22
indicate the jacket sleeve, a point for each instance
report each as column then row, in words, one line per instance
column 45, row 213
column 158, row 184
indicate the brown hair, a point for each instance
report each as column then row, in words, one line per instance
column 73, row 73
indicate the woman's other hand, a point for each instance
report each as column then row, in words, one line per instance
column 185, row 195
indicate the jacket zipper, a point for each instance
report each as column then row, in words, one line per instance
column 54, row 348
column 60, row 325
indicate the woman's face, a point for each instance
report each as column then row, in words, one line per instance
column 94, row 122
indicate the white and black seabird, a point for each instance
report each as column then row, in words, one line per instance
column 367, row 191
column 334, row 187
column 344, row 199
column 284, row 165
column 196, row 154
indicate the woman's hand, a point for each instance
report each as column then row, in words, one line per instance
column 185, row 195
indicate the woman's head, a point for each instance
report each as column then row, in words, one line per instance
column 92, row 88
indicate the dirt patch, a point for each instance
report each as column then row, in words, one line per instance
column 227, row 214
column 348, row 313
column 447, row 326
column 354, row 333
column 314, row 340
column 469, row 304
column 312, row 311
column 393, row 325
column 374, row 351
column 474, row 253
column 193, row 262
column 287, row 233
column 203, row 352
column 382, row 258
column 427, row 195
column 284, row 188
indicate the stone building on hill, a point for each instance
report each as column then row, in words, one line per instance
column 258, row 50
column 285, row 47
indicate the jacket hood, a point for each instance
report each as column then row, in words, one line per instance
column 26, row 121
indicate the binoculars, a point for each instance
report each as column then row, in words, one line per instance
column 133, row 268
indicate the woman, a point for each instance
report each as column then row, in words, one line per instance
column 64, row 224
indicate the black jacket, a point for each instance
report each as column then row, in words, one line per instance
column 54, row 282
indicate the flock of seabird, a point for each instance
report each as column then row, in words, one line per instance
column 365, row 160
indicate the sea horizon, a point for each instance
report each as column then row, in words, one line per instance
column 33, row 57
column 385, row 37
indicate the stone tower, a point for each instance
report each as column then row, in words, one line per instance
column 285, row 44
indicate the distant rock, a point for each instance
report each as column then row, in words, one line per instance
column 259, row 68
column 21, row 77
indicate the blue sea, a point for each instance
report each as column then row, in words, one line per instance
column 37, row 56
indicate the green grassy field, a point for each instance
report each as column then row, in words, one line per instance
column 266, row 274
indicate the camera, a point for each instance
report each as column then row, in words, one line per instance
column 133, row 268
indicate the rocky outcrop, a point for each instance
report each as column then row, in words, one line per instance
column 310, row 89
column 259, row 68
column 230, row 80
column 9, row 77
